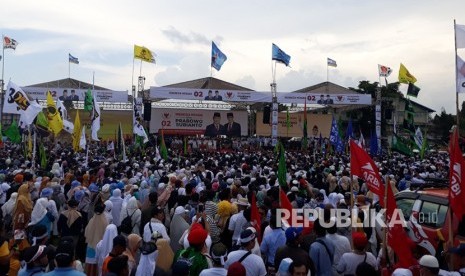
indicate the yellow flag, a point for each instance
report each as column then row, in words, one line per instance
column 55, row 122
column 140, row 52
column 77, row 132
column 405, row 76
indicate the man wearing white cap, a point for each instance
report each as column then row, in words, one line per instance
column 237, row 221
column 253, row 264
column 429, row 266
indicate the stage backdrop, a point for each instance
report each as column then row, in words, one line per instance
column 191, row 121
column 316, row 123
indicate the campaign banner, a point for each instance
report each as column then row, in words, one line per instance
column 161, row 93
column 316, row 124
column 71, row 94
column 324, row 99
column 211, row 123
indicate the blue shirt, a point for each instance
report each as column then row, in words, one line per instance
column 36, row 271
column 270, row 244
column 65, row 271
column 320, row 256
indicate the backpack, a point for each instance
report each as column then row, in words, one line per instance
column 126, row 224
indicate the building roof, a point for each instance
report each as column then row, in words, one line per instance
column 325, row 88
column 69, row 83
column 207, row 83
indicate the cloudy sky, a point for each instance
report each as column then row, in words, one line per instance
column 358, row 34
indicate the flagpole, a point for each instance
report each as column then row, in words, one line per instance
column 456, row 80
column 34, row 150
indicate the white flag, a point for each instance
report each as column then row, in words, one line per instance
column 62, row 109
column 68, row 126
column 418, row 138
column 361, row 141
column 17, row 102
column 460, row 36
column 82, row 141
column 138, row 129
column 95, row 119
column 460, row 75
column 111, row 146
column 384, row 71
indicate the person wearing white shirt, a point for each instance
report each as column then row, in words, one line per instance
column 237, row 221
column 156, row 225
column 253, row 264
column 218, row 254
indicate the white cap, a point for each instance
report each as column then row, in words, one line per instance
column 179, row 210
column 429, row 261
column 402, row 272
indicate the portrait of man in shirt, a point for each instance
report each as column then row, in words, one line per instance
column 215, row 129
column 232, row 128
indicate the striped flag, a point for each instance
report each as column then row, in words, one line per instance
column 331, row 62
column 73, row 59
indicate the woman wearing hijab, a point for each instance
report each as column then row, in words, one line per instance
column 149, row 254
column 117, row 201
column 132, row 210
column 165, row 256
column 178, row 226
column 9, row 206
column 134, row 243
column 70, row 222
column 23, row 208
column 103, row 247
column 94, row 233
column 41, row 215
column 108, row 212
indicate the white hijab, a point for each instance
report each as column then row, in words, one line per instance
column 147, row 264
column 104, row 246
column 39, row 211
column 9, row 206
column 108, row 211
column 117, row 206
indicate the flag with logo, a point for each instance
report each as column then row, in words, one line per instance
column 16, row 101
column 9, row 43
column 334, row 133
column 138, row 129
column 331, row 62
column 55, row 122
column 73, row 59
column 95, row 119
column 363, row 166
column 279, row 55
column 218, row 57
column 76, row 132
column 418, row 138
column 460, row 75
column 68, row 126
column 255, row 217
column 413, row 90
column 384, row 71
column 62, row 109
column 144, row 54
column 456, row 176
column 405, row 76
column 13, row 134
column 399, row 144
column 459, row 36
column 88, row 101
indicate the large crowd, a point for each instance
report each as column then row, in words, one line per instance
column 190, row 214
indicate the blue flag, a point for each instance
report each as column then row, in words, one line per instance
column 280, row 55
column 350, row 131
column 72, row 59
column 218, row 58
column 334, row 134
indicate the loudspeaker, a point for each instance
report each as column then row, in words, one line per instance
column 266, row 114
column 147, row 111
column 388, row 114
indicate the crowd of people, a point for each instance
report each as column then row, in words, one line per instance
column 191, row 214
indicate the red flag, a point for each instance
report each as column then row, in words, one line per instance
column 363, row 166
column 456, row 174
column 255, row 218
column 285, row 204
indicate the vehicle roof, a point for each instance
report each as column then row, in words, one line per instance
column 431, row 191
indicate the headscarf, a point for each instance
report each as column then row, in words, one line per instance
column 72, row 215
column 8, row 207
column 165, row 254
column 39, row 211
column 108, row 208
column 147, row 264
column 178, row 226
column 104, row 246
column 326, row 200
column 117, row 206
column 24, row 198
column 133, row 245
column 95, row 229
column 333, row 199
